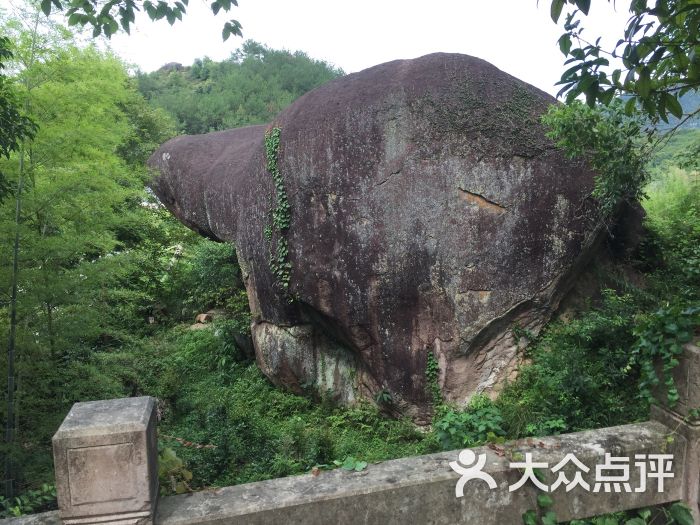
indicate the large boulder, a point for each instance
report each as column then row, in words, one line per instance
column 428, row 215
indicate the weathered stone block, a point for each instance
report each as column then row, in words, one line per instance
column 105, row 455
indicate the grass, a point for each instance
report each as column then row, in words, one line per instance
column 211, row 395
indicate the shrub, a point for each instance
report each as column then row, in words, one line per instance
column 480, row 422
column 611, row 143
column 39, row 500
column 578, row 377
column 673, row 216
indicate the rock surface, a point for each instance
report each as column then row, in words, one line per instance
column 429, row 214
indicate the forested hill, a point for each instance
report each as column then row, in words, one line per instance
column 251, row 87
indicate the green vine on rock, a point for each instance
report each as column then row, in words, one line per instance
column 432, row 374
column 280, row 214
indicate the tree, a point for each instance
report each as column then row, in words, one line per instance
column 611, row 142
column 80, row 182
column 20, row 147
column 251, row 87
column 659, row 53
column 14, row 126
column 107, row 17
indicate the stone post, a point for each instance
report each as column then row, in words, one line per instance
column 683, row 419
column 106, row 461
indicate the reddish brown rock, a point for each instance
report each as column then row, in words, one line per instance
column 203, row 318
column 429, row 214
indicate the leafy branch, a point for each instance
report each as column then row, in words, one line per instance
column 610, row 141
column 106, row 17
column 659, row 51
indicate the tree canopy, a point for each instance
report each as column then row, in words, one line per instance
column 249, row 88
column 14, row 126
column 109, row 17
column 653, row 64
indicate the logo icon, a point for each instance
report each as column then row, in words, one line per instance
column 469, row 467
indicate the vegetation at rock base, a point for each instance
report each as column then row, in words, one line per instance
column 213, row 394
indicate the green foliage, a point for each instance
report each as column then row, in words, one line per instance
column 674, row 514
column 149, row 128
column 544, row 501
column 384, row 398
column 203, row 275
column 546, row 427
column 530, row 517
column 39, row 500
column 432, row 377
column 659, row 52
column 94, row 246
column 174, row 478
column 280, row 214
column 543, row 516
column 579, row 376
column 78, row 200
column 16, row 126
column 352, row 464
column 680, row 150
column 673, row 208
column 610, row 142
column 479, row 423
column 660, row 340
column 107, row 19
column 249, row 88
column 259, row 431
column 680, row 514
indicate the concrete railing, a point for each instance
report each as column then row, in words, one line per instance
column 105, row 455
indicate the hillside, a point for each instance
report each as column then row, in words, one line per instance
column 252, row 86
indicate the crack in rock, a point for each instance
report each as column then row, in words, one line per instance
column 482, row 202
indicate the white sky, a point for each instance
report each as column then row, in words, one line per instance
column 517, row 36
